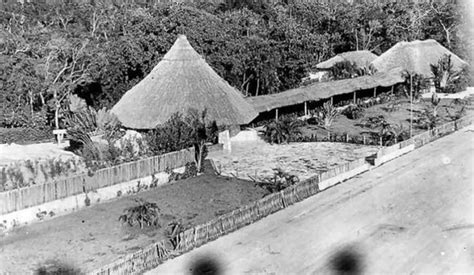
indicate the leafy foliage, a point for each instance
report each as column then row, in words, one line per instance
column 392, row 134
column 327, row 114
column 354, row 112
column 182, row 132
column 49, row 51
column 284, row 130
column 143, row 214
column 427, row 119
column 279, row 181
column 373, row 122
column 347, row 69
column 446, row 79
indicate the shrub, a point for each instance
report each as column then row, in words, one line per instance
column 283, row 131
column 457, row 114
column 25, row 135
column 279, row 181
column 426, row 119
column 56, row 267
column 174, row 135
column 353, row 112
column 373, row 122
column 181, row 132
column 143, row 214
column 392, row 134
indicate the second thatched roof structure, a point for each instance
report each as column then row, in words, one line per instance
column 360, row 58
column 181, row 81
column 415, row 57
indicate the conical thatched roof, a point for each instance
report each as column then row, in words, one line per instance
column 415, row 57
column 182, row 80
column 360, row 58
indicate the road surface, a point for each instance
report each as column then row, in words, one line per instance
column 412, row 215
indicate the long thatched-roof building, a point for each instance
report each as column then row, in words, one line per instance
column 181, row 81
column 415, row 57
column 360, row 58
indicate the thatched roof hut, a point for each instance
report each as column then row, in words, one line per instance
column 415, row 57
column 360, row 58
column 182, row 80
column 324, row 90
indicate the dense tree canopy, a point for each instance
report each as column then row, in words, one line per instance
column 99, row 51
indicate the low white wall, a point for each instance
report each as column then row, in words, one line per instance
column 384, row 158
column 73, row 203
column 246, row 135
column 344, row 176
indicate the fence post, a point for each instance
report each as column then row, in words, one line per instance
column 363, row 139
column 381, row 142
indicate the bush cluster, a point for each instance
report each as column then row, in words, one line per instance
column 25, row 135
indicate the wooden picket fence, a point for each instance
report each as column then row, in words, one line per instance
column 437, row 132
column 198, row 235
column 21, row 198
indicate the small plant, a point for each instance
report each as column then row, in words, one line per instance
column 172, row 232
column 373, row 122
column 56, row 267
column 328, row 114
column 457, row 114
column 279, row 181
column 144, row 214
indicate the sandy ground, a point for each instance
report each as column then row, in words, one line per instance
column 467, row 93
column 413, row 215
column 15, row 152
column 93, row 237
column 257, row 159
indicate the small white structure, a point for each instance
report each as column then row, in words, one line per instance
column 224, row 139
column 59, row 133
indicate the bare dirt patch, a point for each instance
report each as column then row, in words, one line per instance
column 258, row 159
column 93, row 237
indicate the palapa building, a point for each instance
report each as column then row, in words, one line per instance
column 181, row 81
column 415, row 57
column 360, row 58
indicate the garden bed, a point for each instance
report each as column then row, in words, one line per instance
column 93, row 237
column 401, row 115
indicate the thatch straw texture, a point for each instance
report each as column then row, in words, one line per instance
column 360, row 58
column 182, row 80
column 415, row 57
column 323, row 90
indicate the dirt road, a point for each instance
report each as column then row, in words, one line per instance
column 412, row 215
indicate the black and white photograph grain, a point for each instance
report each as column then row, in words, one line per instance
column 229, row 137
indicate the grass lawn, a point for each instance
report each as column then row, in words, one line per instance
column 92, row 237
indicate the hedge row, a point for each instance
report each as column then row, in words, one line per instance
column 25, row 135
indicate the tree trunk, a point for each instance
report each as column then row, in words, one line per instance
column 258, row 86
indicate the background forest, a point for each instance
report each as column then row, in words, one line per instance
column 99, row 51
